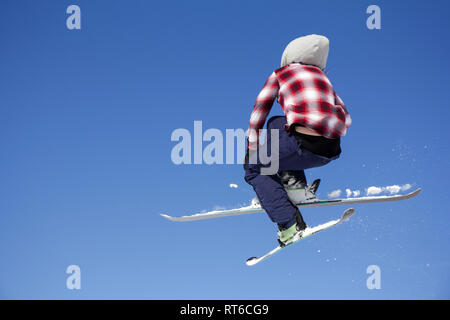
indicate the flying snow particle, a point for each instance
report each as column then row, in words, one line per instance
column 348, row 192
column 356, row 193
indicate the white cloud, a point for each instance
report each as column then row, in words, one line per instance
column 374, row 191
column 394, row 189
column 232, row 185
column 406, row 187
column 352, row 193
column 370, row 191
column 348, row 192
column 335, row 193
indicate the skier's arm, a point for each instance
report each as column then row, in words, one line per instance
column 261, row 109
column 338, row 101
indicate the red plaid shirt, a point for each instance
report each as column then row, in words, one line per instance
column 307, row 98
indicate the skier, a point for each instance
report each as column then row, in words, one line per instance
column 309, row 133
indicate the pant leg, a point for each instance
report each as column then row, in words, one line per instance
column 269, row 188
column 272, row 196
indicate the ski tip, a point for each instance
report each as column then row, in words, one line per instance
column 347, row 214
column 251, row 261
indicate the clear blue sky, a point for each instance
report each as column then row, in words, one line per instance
column 85, row 169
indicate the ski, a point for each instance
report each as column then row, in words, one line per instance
column 306, row 233
column 316, row 203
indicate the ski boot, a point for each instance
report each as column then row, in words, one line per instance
column 255, row 202
column 293, row 233
column 297, row 190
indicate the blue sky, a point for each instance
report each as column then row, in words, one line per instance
column 85, row 123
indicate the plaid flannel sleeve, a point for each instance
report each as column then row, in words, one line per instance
column 261, row 109
column 348, row 119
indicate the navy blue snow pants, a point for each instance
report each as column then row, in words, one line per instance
column 269, row 189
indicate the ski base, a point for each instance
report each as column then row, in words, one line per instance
column 308, row 232
column 317, row 203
